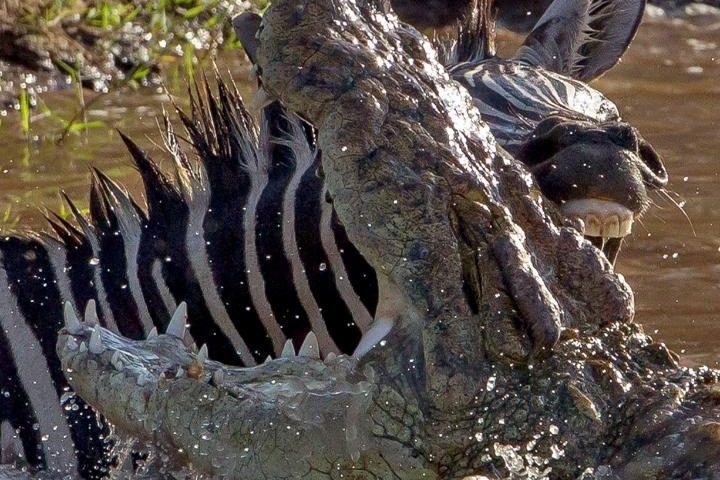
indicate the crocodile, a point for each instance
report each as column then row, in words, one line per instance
column 515, row 355
column 245, row 233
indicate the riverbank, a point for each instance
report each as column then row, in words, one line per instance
column 104, row 44
column 55, row 44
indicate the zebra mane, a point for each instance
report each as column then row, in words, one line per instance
column 220, row 141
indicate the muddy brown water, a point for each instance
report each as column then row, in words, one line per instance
column 668, row 86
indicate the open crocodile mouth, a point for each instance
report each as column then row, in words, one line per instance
column 604, row 223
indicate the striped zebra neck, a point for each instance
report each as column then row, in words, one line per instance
column 241, row 229
column 514, row 97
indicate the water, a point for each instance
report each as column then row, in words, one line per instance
column 668, row 86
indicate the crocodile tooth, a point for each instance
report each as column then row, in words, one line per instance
column 268, row 358
column 72, row 322
column 180, row 372
column 288, row 350
column 91, row 316
column 309, row 347
column 330, row 357
column 176, row 327
column 83, row 347
column 96, row 345
column 116, row 361
column 153, row 333
column 202, row 355
column 218, row 377
column 71, row 343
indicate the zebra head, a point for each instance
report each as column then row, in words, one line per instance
column 585, row 158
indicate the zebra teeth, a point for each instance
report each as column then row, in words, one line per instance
column 72, row 322
column 260, row 100
column 176, row 327
column 309, row 347
column 625, row 226
column 288, row 350
column 600, row 218
column 153, row 333
column 611, row 227
column 96, row 346
column 83, row 347
column 593, row 226
column 71, row 343
column 116, row 361
column 91, row 316
column 202, row 355
column 218, row 378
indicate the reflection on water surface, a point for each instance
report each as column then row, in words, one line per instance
column 668, row 86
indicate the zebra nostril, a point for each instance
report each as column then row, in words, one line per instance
column 652, row 167
column 625, row 136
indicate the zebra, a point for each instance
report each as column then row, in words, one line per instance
column 240, row 233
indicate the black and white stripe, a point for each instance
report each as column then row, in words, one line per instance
column 242, row 229
column 513, row 98
column 43, row 425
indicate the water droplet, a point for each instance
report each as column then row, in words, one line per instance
column 490, row 385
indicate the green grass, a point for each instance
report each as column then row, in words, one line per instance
column 187, row 30
column 24, row 109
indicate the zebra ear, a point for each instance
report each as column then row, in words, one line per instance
column 246, row 26
column 582, row 38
